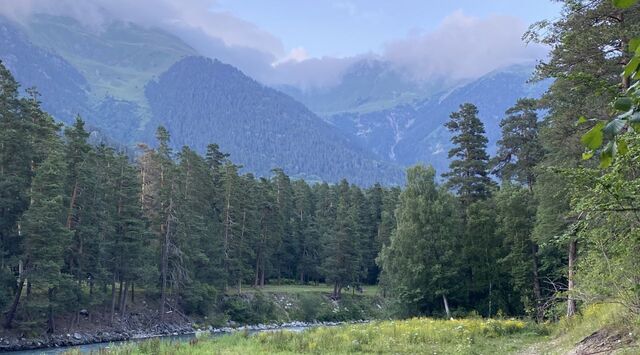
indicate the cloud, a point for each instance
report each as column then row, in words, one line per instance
column 460, row 47
column 463, row 47
column 312, row 72
column 297, row 54
column 172, row 15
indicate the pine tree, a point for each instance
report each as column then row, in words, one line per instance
column 305, row 232
column 341, row 260
column 81, row 214
column 519, row 149
column 468, row 174
column 519, row 153
column 126, row 248
column 45, row 233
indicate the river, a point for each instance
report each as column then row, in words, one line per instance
column 88, row 348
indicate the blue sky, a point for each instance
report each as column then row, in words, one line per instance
column 311, row 43
column 347, row 27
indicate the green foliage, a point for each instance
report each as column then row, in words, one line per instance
column 468, row 174
column 519, row 150
column 627, row 107
column 421, row 262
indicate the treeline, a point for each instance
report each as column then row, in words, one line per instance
column 560, row 229
column 535, row 230
column 82, row 225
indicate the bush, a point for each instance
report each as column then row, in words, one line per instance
column 199, row 298
column 310, row 305
column 259, row 309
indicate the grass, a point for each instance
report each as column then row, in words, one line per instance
column 413, row 336
column 568, row 333
column 302, row 289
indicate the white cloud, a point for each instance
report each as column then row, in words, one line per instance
column 460, row 47
column 463, row 47
column 172, row 15
column 297, row 55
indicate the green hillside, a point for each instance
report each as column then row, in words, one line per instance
column 117, row 60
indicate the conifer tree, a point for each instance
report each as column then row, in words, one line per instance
column 45, row 234
column 468, row 171
column 519, row 149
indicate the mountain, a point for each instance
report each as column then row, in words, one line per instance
column 64, row 89
column 117, row 59
column 202, row 101
column 368, row 85
column 413, row 132
column 125, row 80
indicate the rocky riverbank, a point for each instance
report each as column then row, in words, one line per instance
column 13, row 343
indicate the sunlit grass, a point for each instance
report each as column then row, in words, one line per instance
column 413, row 336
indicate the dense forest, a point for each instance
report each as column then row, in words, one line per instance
column 80, row 222
column 536, row 230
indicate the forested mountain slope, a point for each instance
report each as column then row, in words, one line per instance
column 203, row 101
column 125, row 80
column 413, row 132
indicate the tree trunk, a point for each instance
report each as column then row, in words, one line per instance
column 165, row 262
column 72, row 204
column 446, row 306
column 537, row 294
column 490, row 298
column 257, row 278
column 120, row 294
column 571, row 302
column 14, row 305
column 113, row 298
column 123, row 303
column 51, row 327
column 133, row 293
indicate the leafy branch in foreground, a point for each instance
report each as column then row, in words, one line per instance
column 627, row 108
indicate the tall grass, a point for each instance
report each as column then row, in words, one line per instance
column 413, row 336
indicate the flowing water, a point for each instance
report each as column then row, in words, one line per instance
column 88, row 348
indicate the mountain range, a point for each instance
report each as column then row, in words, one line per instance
column 125, row 80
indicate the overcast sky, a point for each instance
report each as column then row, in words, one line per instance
column 311, row 42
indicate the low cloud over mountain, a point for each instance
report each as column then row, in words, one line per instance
column 461, row 46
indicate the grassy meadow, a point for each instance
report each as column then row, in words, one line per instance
column 422, row 336
column 412, row 336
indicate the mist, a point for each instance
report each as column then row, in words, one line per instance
column 461, row 47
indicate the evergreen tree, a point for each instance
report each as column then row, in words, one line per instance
column 304, row 232
column 341, row 260
column 519, row 149
column 46, row 236
column 468, row 174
